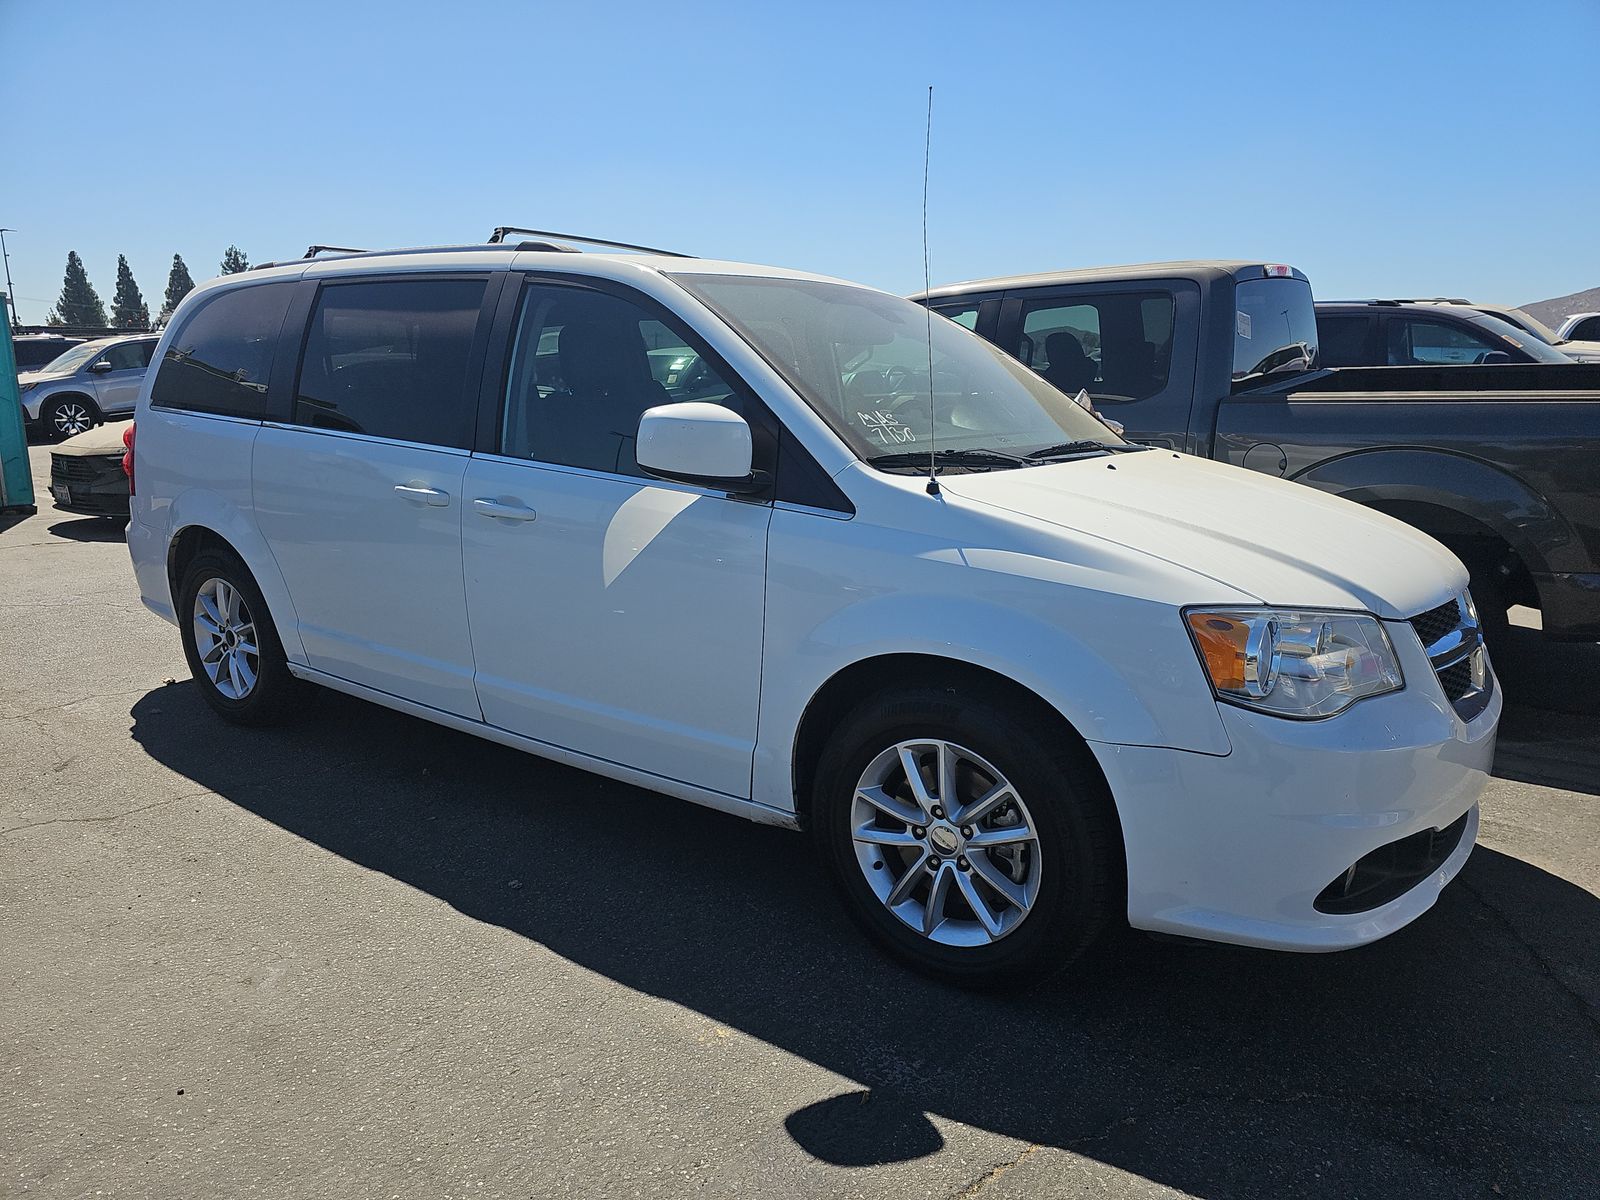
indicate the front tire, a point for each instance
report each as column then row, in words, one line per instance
column 61, row 417
column 972, row 841
column 231, row 643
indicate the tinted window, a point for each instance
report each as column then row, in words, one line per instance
column 31, row 355
column 584, row 367
column 1344, row 341
column 1586, row 330
column 966, row 317
column 130, row 356
column 1115, row 347
column 1415, row 343
column 389, row 358
column 219, row 361
column 1274, row 327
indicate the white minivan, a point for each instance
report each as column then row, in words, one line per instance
column 794, row 549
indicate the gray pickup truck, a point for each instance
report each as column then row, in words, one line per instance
column 1499, row 462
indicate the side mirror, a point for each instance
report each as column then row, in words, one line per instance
column 101, row 367
column 696, row 442
column 1495, row 358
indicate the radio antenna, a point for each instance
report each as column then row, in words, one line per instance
column 927, row 300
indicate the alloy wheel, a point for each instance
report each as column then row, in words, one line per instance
column 70, row 417
column 945, row 842
column 225, row 637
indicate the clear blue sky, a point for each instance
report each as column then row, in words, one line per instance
column 1385, row 148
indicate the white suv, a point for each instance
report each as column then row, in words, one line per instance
column 677, row 522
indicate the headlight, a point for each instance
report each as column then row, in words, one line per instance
column 1294, row 663
column 27, row 387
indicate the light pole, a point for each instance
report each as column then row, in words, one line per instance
column 11, row 298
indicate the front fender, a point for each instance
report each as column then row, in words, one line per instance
column 1120, row 669
column 1452, row 485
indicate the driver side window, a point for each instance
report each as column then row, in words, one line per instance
column 584, row 367
column 1434, row 343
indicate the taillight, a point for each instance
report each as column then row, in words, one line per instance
column 127, row 457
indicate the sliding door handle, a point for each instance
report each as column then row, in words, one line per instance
column 426, row 495
column 486, row 507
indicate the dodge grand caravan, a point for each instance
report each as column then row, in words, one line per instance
column 794, row 549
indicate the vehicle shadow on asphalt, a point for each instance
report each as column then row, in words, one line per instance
column 91, row 529
column 1550, row 729
column 1464, row 1046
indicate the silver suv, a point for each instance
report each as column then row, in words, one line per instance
column 86, row 385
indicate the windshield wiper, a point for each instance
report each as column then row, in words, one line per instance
column 949, row 458
column 1081, row 446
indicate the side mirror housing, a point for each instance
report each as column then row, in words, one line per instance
column 1495, row 358
column 100, row 367
column 699, row 443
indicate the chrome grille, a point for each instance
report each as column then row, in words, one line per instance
column 1436, row 622
column 1454, row 645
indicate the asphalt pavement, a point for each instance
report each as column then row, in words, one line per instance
column 363, row 955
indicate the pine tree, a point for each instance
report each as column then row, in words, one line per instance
column 128, row 309
column 179, row 285
column 234, row 261
column 79, row 303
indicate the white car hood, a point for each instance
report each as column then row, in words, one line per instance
column 1582, row 351
column 1284, row 543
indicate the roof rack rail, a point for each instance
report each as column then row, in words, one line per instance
column 313, row 251
column 499, row 236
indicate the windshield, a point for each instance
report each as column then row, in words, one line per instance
column 1274, row 327
column 1521, row 339
column 1524, row 321
column 860, row 358
column 72, row 359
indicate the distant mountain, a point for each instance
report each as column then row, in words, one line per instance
column 1553, row 312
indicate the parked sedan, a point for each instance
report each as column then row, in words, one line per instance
column 86, row 385
column 86, row 474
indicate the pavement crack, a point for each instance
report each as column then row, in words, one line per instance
column 1544, row 964
column 95, row 820
column 994, row 1173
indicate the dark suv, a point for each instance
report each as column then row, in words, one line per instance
column 1406, row 333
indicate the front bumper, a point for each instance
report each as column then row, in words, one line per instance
column 91, row 484
column 1237, row 848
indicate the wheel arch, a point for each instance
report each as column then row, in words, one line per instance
column 866, row 677
column 1451, row 497
column 71, row 393
column 201, row 526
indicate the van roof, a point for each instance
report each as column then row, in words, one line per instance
column 1199, row 269
column 493, row 257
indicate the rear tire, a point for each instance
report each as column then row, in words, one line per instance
column 1046, row 899
column 231, row 643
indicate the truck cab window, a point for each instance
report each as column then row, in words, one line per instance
column 1118, row 348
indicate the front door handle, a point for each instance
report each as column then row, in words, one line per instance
column 432, row 497
column 486, row 507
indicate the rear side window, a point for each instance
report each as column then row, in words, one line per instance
column 1586, row 330
column 1344, row 341
column 389, row 359
column 220, row 360
column 36, row 354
